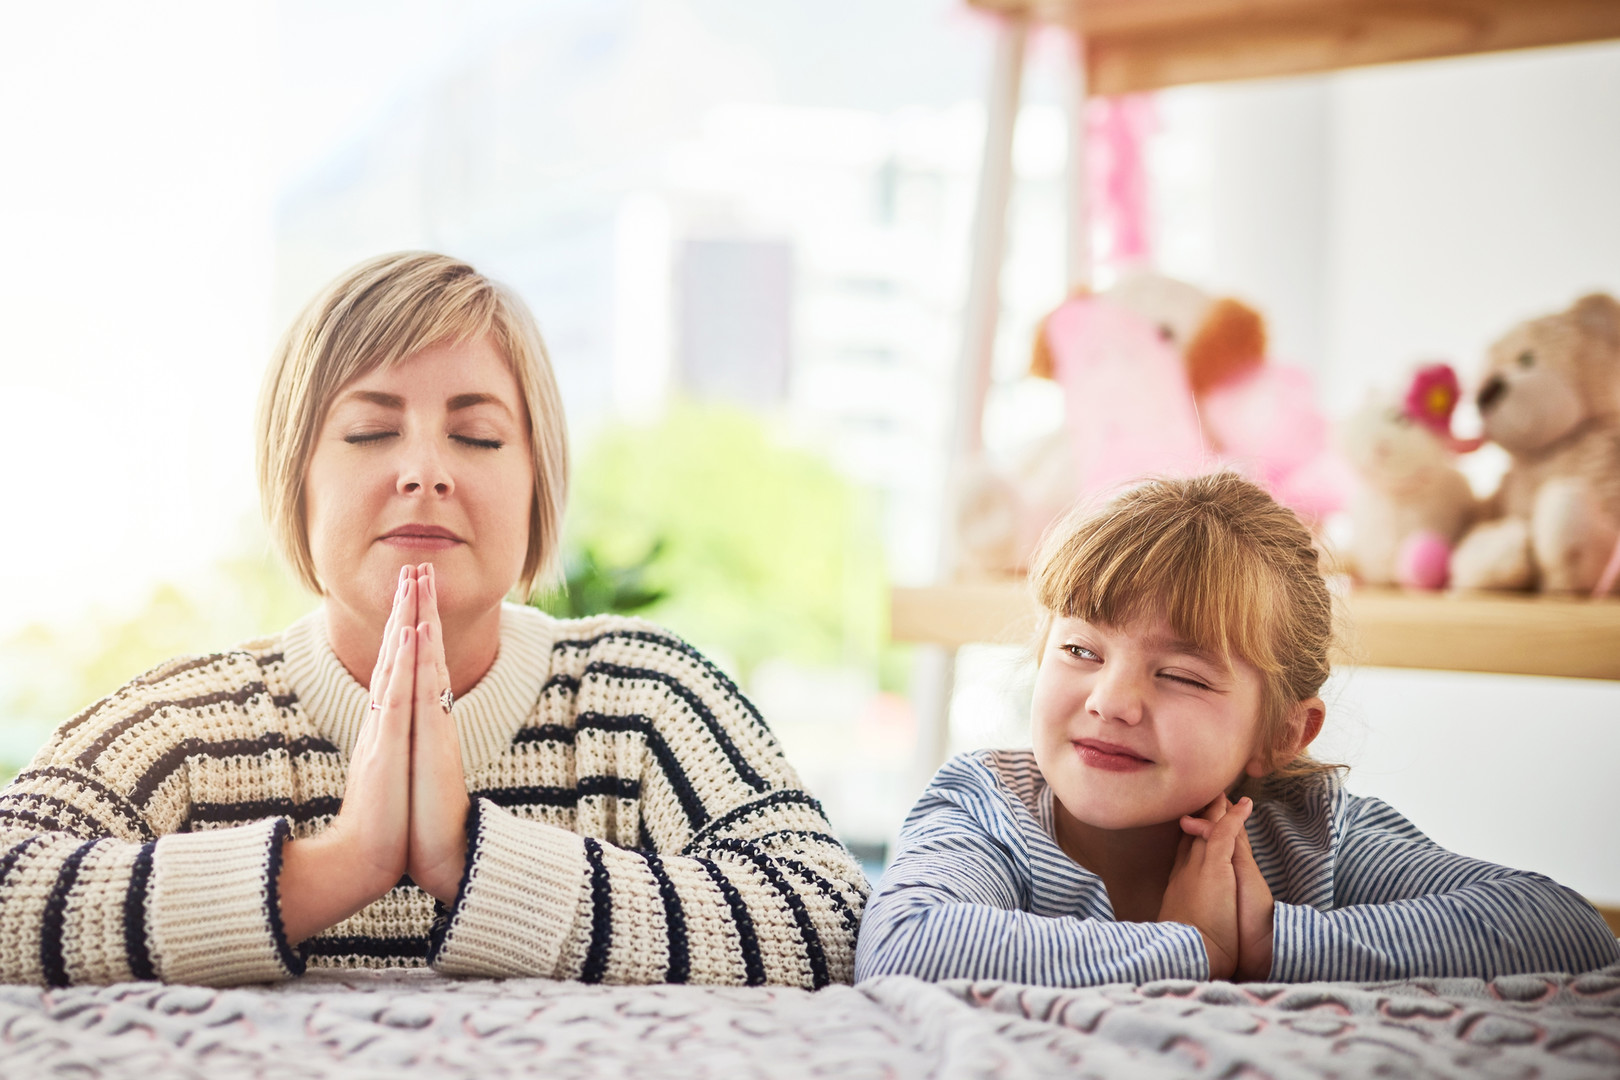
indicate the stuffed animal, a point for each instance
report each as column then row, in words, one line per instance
column 1411, row 504
column 1157, row 377
column 1550, row 397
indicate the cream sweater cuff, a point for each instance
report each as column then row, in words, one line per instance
column 518, row 898
column 213, row 916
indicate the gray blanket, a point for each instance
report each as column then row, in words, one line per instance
column 407, row 1023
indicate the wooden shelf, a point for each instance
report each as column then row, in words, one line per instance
column 1136, row 45
column 1504, row 633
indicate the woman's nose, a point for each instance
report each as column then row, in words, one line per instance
column 1117, row 694
column 422, row 469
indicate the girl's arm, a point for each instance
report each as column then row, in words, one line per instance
column 98, row 882
column 720, row 868
column 952, row 905
column 1404, row 907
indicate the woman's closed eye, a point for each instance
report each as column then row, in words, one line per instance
column 363, row 438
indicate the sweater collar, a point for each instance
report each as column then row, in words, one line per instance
column 487, row 716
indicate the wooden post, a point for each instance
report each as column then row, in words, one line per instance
column 934, row 672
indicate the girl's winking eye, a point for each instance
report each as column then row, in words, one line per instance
column 1186, row 679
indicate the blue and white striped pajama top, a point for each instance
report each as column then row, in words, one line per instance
column 980, row 889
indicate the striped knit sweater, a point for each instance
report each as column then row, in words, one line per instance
column 633, row 820
column 980, row 889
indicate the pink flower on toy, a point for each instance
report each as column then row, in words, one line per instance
column 1432, row 399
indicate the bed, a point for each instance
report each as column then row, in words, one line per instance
column 416, row 1023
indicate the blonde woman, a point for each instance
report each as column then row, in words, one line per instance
column 419, row 773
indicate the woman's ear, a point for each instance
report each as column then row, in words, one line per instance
column 1300, row 729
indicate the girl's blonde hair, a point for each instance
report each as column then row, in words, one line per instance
column 1231, row 570
column 374, row 316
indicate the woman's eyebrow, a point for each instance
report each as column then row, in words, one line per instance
column 455, row 404
column 376, row 397
column 467, row 401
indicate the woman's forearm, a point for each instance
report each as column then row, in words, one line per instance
column 321, row 884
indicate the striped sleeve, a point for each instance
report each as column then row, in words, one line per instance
column 734, row 875
column 1404, row 907
column 954, row 904
column 98, row 882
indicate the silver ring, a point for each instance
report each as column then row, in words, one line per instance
column 446, row 699
column 376, row 707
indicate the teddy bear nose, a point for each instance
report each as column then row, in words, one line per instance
column 1491, row 392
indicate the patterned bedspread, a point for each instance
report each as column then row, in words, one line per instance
column 407, row 1023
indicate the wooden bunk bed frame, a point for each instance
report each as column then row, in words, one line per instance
column 1122, row 46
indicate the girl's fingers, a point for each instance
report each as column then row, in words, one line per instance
column 1223, row 837
column 1183, row 853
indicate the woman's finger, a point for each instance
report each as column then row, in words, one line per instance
column 1196, row 826
column 379, row 670
column 395, row 728
column 429, row 710
column 429, row 613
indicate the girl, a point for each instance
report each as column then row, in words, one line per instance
column 1168, row 822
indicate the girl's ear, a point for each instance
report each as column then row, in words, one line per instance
column 1300, row 729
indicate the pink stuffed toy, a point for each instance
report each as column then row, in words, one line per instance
column 1133, row 410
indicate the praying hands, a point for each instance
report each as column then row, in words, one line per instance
column 405, row 805
column 1217, row 888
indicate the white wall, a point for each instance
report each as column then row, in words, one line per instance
column 1397, row 213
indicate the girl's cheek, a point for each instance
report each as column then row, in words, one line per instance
column 1054, row 700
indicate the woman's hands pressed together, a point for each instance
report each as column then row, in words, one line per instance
column 1217, row 888
column 405, row 803
column 439, row 803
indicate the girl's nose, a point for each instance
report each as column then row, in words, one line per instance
column 422, row 469
column 1117, row 695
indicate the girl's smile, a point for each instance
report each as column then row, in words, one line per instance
column 1111, row 756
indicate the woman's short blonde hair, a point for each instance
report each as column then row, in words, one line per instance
column 374, row 316
column 1231, row 570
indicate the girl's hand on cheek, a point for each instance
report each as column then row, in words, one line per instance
column 439, row 803
column 1203, row 889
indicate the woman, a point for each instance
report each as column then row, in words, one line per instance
column 418, row 773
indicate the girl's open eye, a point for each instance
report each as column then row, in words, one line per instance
column 1080, row 652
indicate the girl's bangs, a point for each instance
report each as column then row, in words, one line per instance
column 1188, row 570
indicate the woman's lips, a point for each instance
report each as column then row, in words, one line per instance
column 421, row 538
column 1109, row 756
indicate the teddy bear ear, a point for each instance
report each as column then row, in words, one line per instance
column 1599, row 314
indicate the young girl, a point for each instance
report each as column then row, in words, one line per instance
column 1168, row 822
